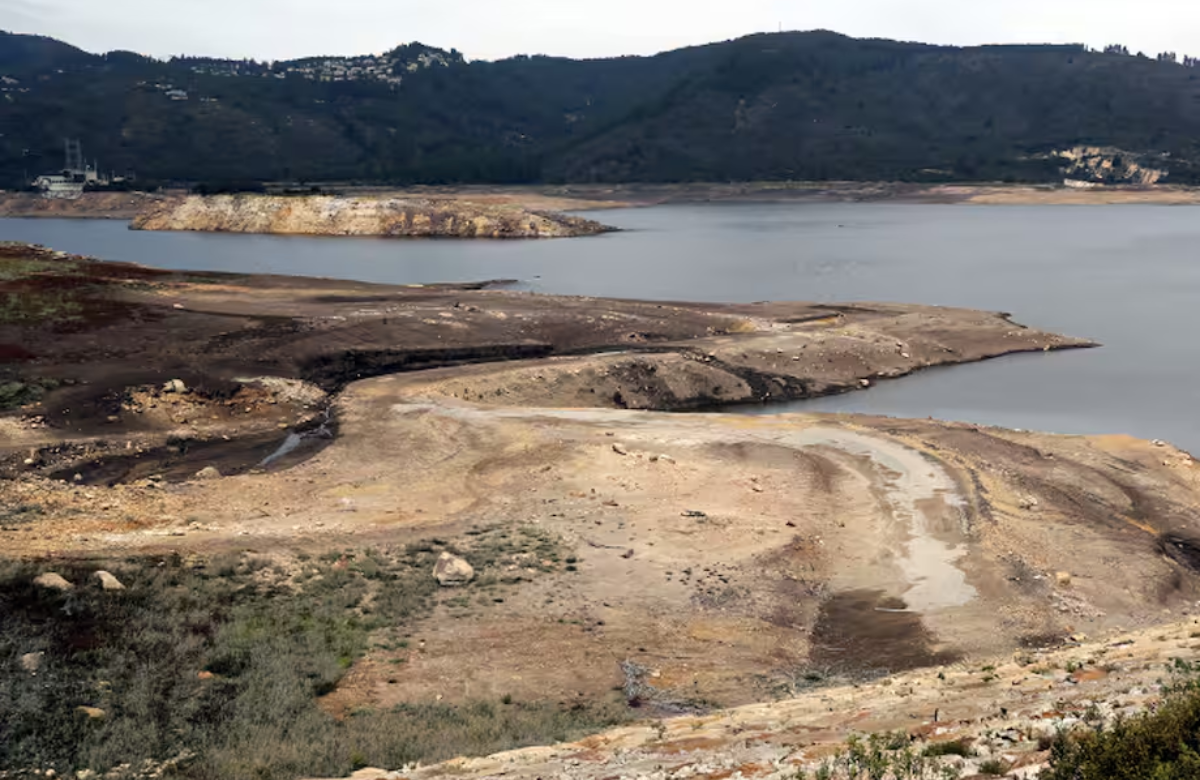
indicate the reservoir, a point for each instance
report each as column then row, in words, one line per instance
column 1126, row 276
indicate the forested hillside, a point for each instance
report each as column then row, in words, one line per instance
column 788, row 106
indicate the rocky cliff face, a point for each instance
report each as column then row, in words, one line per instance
column 340, row 216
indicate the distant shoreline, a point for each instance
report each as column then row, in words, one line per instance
column 595, row 197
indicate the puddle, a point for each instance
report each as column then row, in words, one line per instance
column 289, row 445
column 302, row 444
column 180, row 463
column 868, row 632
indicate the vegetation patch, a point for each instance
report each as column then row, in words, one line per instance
column 214, row 668
column 13, row 268
column 26, row 306
column 887, row 755
column 1163, row 744
column 17, row 393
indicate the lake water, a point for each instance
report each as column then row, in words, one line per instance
column 1128, row 276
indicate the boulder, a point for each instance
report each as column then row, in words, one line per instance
column 32, row 662
column 93, row 713
column 175, row 386
column 1063, row 578
column 208, row 472
column 108, row 581
column 52, row 581
column 451, row 571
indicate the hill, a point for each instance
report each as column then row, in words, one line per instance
column 813, row 105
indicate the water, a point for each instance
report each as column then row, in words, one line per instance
column 1128, row 276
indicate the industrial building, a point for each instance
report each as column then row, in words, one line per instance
column 74, row 177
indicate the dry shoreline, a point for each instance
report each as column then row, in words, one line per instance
column 549, row 199
column 728, row 556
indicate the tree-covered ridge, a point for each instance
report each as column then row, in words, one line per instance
column 788, row 106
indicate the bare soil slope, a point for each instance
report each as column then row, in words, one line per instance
column 1006, row 713
column 715, row 560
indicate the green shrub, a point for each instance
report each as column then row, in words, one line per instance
column 954, row 747
column 1160, row 745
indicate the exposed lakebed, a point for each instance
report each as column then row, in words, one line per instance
column 1123, row 275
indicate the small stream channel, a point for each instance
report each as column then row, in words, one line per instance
column 181, row 461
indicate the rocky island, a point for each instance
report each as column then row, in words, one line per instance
column 326, row 215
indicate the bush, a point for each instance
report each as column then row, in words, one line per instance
column 955, row 747
column 1160, row 745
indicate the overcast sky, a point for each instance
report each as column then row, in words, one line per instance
column 491, row 29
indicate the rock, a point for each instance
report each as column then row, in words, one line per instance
column 32, row 662
column 1063, row 578
column 93, row 713
column 617, row 448
column 175, row 386
column 451, row 571
column 865, row 382
column 694, row 513
column 208, row 472
column 52, row 581
column 108, row 581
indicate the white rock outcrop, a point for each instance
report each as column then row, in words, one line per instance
column 451, row 571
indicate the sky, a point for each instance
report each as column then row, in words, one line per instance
column 493, row 29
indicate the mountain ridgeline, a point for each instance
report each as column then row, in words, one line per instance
column 790, row 106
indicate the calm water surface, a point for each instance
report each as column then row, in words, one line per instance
column 1128, row 276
